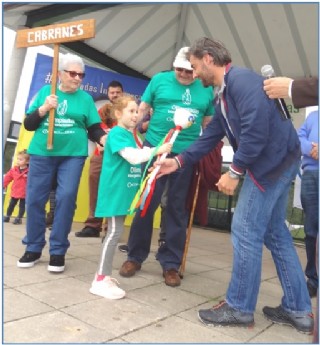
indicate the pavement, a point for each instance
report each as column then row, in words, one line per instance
column 43, row 307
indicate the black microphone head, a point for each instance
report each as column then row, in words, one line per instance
column 267, row 71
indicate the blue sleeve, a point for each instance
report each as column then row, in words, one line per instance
column 251, row 103
column 303, row 134
column 211, row 136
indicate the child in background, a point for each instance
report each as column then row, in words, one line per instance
column 18, row 174
column 119, row 182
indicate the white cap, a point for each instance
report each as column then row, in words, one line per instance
column 181, row 59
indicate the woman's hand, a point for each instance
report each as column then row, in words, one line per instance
column 51, row 102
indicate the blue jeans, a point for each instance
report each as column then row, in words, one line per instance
column 42, row 171
column 259, row 219
column 310, row 204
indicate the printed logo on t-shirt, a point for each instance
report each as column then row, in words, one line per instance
column 62, row 108
column 186, row 97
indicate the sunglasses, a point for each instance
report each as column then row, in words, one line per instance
column 73, row 74
column 187, row 71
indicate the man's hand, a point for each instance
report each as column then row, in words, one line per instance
column 167, row 166
column 227, row 185
column 277, row 87
column 314, row 153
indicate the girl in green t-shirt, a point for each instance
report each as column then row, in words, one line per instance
column 119, row 181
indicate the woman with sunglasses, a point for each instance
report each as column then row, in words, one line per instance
column 76, row 119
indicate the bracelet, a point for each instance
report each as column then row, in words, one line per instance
column 233, row 171
column 178, row 162
column 233, row 175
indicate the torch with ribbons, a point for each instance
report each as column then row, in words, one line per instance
column 182, row 119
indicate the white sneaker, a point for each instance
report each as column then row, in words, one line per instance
column 107, row 288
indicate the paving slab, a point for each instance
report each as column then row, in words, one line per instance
column 41, row 307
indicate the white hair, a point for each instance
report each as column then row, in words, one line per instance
column 69, row 59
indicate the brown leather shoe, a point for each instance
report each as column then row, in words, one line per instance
column 171, row 277
column 129, row 268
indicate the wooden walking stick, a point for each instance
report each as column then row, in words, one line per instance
column 57, row 33
column 186, row 246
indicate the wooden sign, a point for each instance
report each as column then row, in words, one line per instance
column 57, row 33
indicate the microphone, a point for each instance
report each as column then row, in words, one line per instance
column 268, row 72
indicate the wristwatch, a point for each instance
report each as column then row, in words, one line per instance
column 233, row 175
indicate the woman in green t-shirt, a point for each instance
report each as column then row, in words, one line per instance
column 76, row 118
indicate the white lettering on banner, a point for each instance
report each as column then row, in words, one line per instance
column 55, row 33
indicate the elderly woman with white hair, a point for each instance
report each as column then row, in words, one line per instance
column 76, row 119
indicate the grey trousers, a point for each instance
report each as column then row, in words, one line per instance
column 109, row 245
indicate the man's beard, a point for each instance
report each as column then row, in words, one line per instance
column 205, row 83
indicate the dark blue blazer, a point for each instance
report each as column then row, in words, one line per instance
column 265, row 144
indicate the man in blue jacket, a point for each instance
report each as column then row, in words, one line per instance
column 266, row 156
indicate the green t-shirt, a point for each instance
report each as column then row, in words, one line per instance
column 165, row 94
column 74, row 114
column 119, row 180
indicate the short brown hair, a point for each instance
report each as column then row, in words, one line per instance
column 201, row 46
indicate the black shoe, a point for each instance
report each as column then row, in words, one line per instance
column 161, row 242
column 224, row 315
column 28, row 259
column 312, row 290
column 6, row 219
column 302, row 323
column 123, row 248
column 17, row 221
column 56, row 263
column 88, row 232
